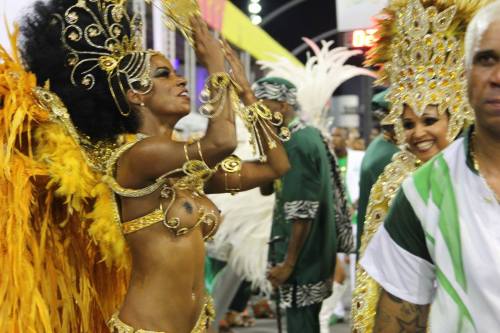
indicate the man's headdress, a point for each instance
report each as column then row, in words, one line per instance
column 277, row 89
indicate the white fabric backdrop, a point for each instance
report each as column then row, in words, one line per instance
column 356, row 14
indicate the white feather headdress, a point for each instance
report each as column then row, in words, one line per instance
column 316, row 82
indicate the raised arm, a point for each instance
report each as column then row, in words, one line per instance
column 255, row 173
column 220, row 137
column 160, row 153
column 395, row 315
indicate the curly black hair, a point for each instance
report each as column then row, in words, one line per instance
column 93, row 111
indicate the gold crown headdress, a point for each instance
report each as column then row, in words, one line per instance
column 100, row 35
column 421, row 51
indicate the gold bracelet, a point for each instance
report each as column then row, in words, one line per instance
column 186, row 153
column 232, row 190
column 198, row 144
column 230, row 165
column 260, row 120
column 213, row 96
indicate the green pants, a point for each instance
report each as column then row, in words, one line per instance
column 304, row 319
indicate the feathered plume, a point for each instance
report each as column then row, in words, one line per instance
column 316, row 82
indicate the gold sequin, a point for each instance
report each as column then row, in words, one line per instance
column 206, row 316
column 367, row 291
column 422, row 53
column 143, row 221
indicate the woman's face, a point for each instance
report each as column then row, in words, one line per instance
column 426, row 135
column 169, row 95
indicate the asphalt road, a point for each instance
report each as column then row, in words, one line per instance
column 269, row 326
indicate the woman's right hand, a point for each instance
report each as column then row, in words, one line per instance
column 208, row 50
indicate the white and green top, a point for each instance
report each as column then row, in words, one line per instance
column 440, row 244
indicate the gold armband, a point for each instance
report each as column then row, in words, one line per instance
column 198, row 146
column 260, row 120
column 230, row 165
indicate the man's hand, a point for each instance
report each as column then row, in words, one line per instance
column 278, row 274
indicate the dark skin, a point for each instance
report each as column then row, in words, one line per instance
column 166, row 289
column 397, row 316
column 339, row 144
column 484, row 96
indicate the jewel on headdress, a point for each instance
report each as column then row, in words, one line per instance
column 100, row 35
column 422, row 62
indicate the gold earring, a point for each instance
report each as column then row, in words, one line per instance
column 142, row 104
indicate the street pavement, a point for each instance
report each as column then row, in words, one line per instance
column 269, row 326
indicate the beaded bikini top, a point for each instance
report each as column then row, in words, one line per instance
column 195, row 174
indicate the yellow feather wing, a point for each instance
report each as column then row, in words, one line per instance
column 64, row 261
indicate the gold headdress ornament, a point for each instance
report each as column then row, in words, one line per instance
column 177, row 15
column 100, row 35
column 421, row 51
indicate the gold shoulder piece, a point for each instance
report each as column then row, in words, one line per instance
column 96, row 154
column 367, row 291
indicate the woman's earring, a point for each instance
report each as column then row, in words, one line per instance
column 142, row 104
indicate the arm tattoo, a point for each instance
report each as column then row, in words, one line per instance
column 395, row 315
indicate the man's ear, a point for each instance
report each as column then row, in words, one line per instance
column 285, row 107
column 134, row 98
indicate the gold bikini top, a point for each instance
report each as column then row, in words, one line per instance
column 196, row 173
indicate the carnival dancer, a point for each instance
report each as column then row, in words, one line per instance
column 100, row 172
column 424, row 117
column 439, row 226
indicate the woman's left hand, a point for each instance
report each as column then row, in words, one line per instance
column 237, row 73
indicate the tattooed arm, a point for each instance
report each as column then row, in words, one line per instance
column 395, row 315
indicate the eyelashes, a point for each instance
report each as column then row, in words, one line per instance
column 427, row 121
column 162, row 72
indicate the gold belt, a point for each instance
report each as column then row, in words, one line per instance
column 206, row 316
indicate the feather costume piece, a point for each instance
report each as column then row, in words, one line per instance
column 316, row 82
column 63, row 258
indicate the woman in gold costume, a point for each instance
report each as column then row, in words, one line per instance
column 420, row 52
column 114, row 210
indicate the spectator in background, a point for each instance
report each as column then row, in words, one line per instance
column 377, row 156
column 304, row 214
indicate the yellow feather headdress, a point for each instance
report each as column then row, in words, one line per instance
column 420, row 52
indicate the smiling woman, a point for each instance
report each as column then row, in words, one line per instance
column 425, row 136
column 425, row 72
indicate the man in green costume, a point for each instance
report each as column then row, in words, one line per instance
column 378, row 154
column 304, row 215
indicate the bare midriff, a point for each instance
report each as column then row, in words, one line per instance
column 166, row 290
